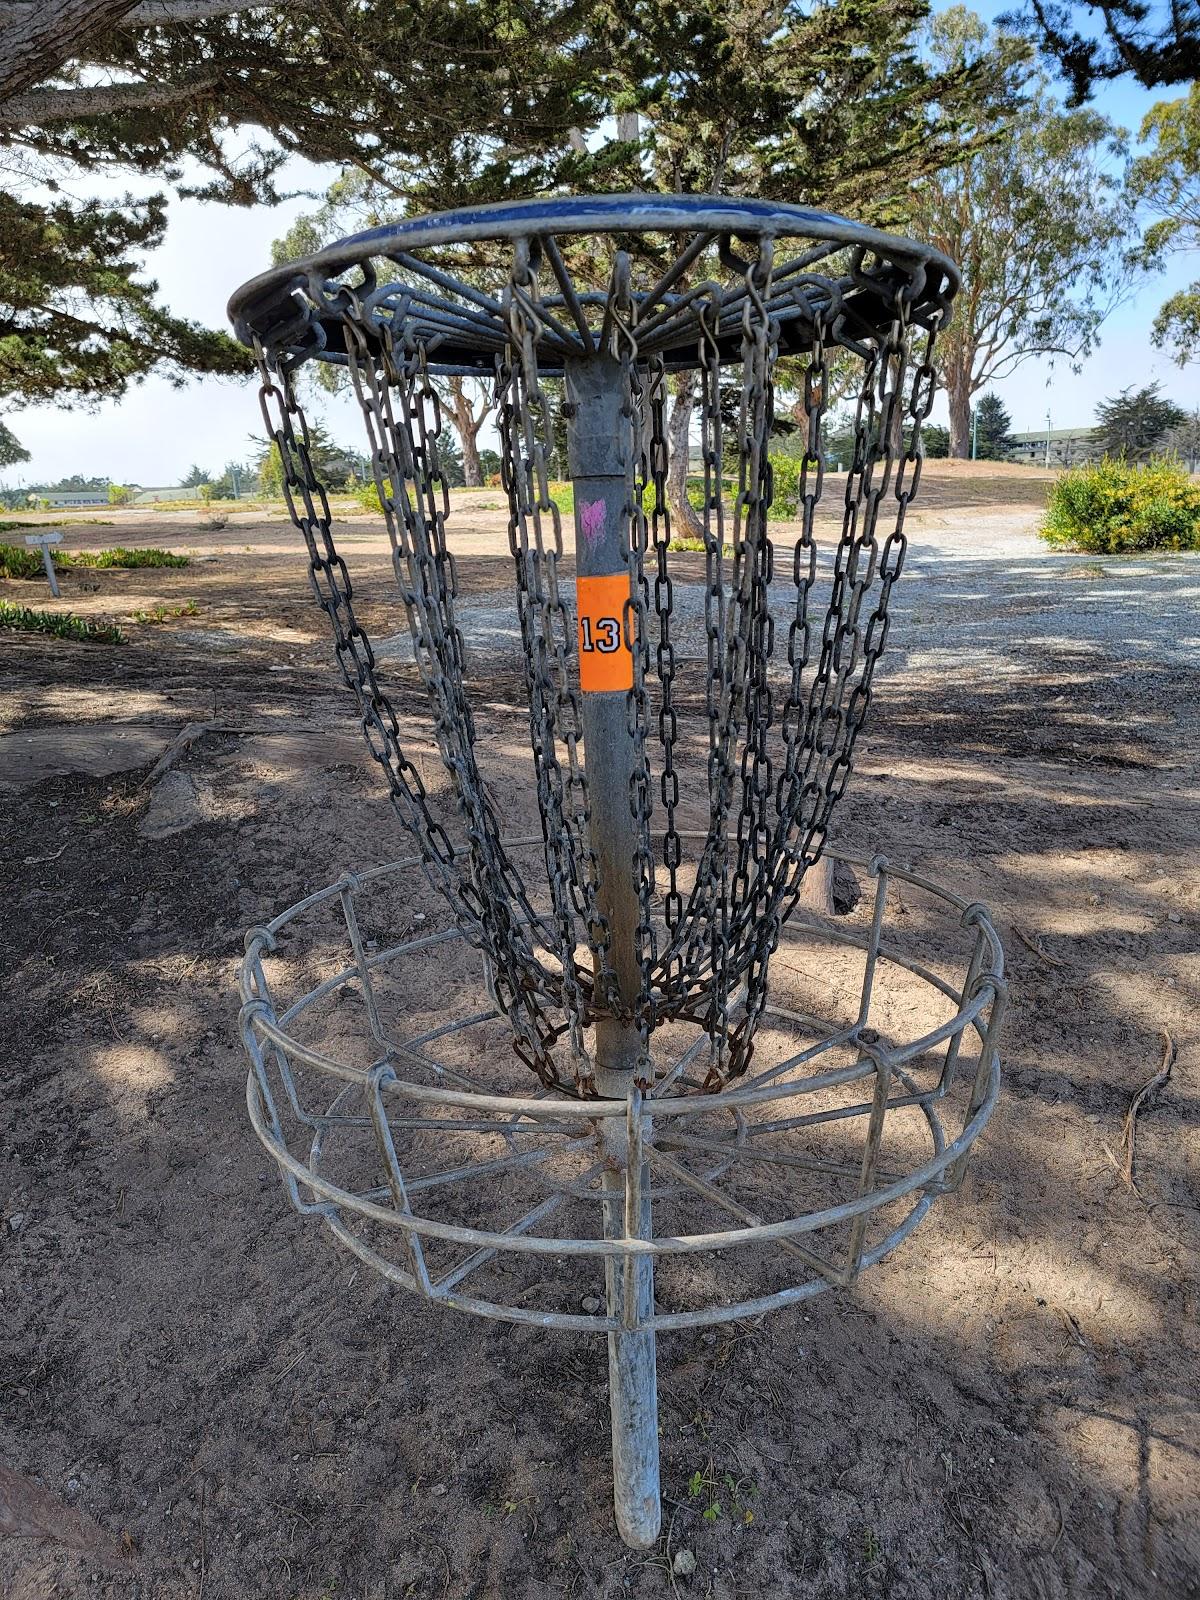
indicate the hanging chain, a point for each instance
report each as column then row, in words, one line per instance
column 780, row 743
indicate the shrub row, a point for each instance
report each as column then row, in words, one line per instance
column 18, row 561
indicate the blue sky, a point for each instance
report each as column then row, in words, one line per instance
column 156, row 432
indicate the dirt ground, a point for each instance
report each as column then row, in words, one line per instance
column 200, row 1396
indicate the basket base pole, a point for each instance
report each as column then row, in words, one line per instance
column 632, row 1379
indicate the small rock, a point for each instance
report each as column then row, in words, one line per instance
column 684, row 1564
column 1173, row 916
column 16, row 1222
column 438, row 1489
column 590, row 1303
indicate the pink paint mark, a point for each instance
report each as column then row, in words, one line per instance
column 591, row 520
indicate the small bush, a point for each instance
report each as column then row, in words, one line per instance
column 1114, row 507
column 60, row 623
column 17, row 561
column 785, row 481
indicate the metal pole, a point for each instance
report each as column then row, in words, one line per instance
column 974, row 433
column 599, row 458
column 48, row 563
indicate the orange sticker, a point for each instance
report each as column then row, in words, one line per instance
column 605, row 660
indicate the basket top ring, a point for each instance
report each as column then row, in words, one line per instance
column 284, row 311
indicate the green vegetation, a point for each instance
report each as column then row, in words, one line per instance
column 992, row 440
column 1115, row 507
column 60, row 623
column 162, row 613
column 1134, row 426
column 16, row 561
column 1166, row 180
column 119, row 556
column 705, row 1485
column 1097, row 41
column 1036, row 215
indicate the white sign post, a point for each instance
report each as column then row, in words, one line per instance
column 43, row 541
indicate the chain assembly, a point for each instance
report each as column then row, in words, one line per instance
column 744, row 697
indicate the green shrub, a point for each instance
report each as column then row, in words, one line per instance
column 1111, row 507
column 119, row 556
column 785, row 477
column 60, row 623
column 17, row 561
column 562, row 494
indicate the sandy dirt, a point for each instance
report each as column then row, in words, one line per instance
column 201, row 1396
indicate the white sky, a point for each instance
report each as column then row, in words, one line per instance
column 156, row 432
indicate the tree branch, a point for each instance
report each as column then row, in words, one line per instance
column 69, row 105
column 37, row 44
column 145, row 13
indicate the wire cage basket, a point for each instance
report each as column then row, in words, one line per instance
column 648, row 1060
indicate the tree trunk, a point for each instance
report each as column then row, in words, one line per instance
column 686, row 520
column 35, row 47
column 472, row 471
column 958, row 393
column 467, row 426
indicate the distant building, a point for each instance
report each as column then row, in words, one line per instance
column 55, row 498
column 1068, row 446
column 149, row 497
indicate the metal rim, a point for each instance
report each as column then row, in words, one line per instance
column 265, row 304
column 978, row 1009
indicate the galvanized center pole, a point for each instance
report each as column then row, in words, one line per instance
column 600, row 461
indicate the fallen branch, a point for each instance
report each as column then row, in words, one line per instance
column 1141, row 1100
column 1032, row 944
column 187, row 735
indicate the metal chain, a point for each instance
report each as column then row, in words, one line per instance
column 780, row 748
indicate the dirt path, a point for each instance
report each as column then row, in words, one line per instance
column 1005, row 1408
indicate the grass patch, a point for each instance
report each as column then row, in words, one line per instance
column 697, row 545
column 60, row 623
column 165, row 613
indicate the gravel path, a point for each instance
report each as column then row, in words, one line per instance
column 974, row 598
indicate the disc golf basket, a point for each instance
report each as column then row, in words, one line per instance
column 628, row 1082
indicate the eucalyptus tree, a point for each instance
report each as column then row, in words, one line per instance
column 1165, row 182
column 1037, row 216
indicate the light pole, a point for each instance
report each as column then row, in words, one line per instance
column 1047, row 437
